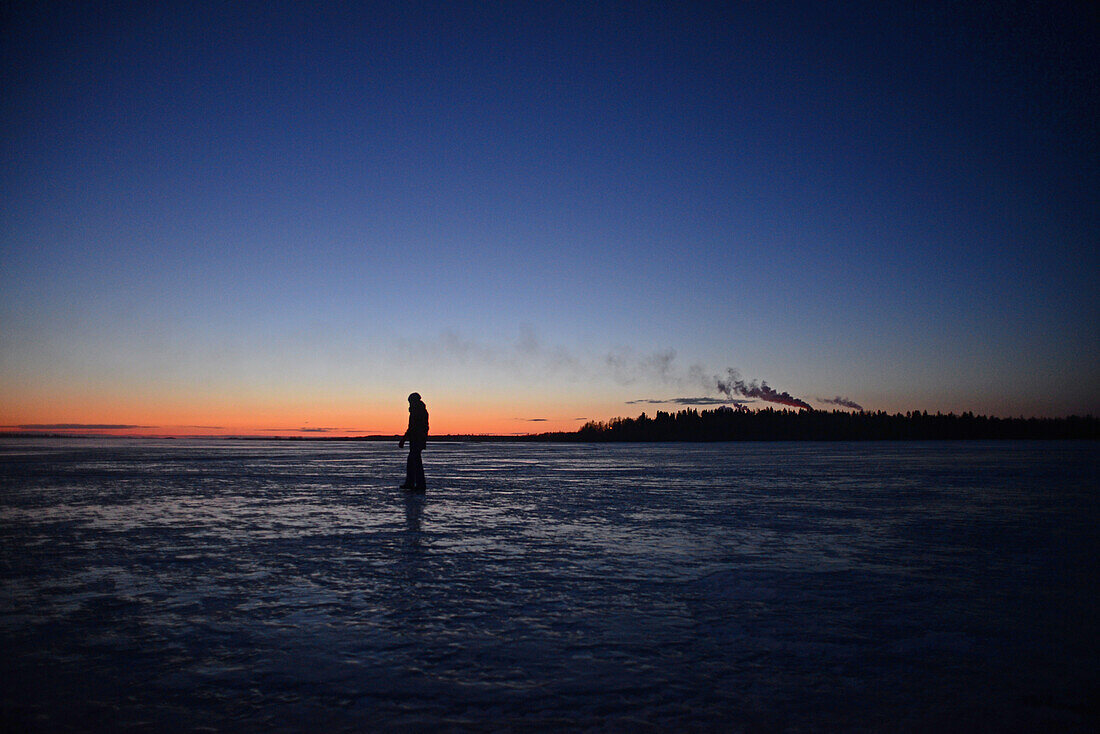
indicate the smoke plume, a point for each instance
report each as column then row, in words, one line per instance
column 734, row 385
column 843, row 402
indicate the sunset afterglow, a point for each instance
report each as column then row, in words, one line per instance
column 281, row 221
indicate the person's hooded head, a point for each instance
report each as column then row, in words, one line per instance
column 414, row 398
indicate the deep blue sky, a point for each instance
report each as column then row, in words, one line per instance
column 275, row 210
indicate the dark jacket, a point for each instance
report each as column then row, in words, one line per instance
column 417, row 435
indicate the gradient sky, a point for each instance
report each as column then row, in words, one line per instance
column 259, row 218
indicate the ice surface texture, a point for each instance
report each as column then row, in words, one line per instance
column 279, row 586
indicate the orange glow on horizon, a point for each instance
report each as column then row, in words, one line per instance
column 474, row 420
column 76, row 410
column 463, row 428
column 71, row 410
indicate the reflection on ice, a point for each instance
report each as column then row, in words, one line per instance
column 276, row 586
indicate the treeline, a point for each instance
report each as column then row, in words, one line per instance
column 740, row 424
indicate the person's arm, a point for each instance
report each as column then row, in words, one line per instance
column 401, row 442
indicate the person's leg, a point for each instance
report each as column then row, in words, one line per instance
column 418, row 472
column 410, row 469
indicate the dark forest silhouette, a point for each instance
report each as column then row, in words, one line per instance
column 730, row 424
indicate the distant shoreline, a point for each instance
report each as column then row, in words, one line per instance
column 727, row 425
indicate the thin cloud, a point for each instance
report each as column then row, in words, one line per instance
column 76, row 426
column 627, row 367
column 842, row 401
column 530, row 347
column 521, row 354
column 688, row 401
column 299, row 430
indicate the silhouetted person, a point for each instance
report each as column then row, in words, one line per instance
column 417, row 436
